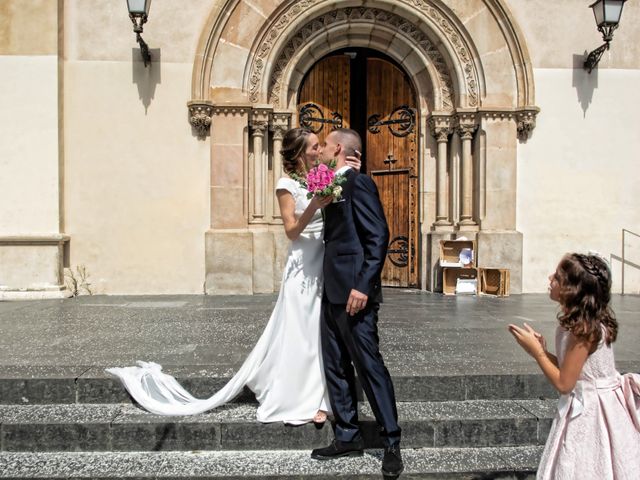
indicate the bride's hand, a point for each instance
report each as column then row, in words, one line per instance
column 320, row 201
column 354, row 161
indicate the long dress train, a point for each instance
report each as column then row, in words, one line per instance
column 284, row 369
column 596, row 431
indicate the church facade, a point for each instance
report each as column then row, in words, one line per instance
column 477, row 116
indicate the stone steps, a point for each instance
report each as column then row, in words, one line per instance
column 79, row 422
column 125, row 427
column 83, row 385
column 427, row 464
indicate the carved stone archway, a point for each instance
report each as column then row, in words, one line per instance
column 466, row 107
column 277, row 46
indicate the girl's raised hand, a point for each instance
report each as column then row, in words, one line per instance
column 530, row 340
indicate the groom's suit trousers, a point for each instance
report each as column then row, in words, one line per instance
column 348, row 341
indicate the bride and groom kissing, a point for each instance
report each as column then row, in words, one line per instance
column 323, row 328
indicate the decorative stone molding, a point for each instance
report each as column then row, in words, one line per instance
column 53, row 239
column 525, row 118
column 466, row 123
column 259, row 120
column 447, row 30
column 526, row 122
column 258, row 128
column 200, row 116
column 502, row 114
column 441, row 127
column 456, row 39
column 517, row 44
column 270, row 37
column 350, row 16
column 232, row 110
column 279, row 124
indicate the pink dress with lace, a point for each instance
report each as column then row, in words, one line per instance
column 596, row 431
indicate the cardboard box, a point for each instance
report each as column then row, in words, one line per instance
column 450, row 252
column 450, row 277
column 495, row 281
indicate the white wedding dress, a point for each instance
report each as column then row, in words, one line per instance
column 284, row 369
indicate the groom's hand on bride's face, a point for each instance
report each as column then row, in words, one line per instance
column 357, row 302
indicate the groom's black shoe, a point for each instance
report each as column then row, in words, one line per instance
column 392, row 465
column 338, row 449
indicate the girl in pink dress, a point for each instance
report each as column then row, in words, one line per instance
column 596, row 431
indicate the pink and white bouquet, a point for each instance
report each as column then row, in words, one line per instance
column 321, row 180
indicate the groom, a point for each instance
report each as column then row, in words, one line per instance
column 356, row 237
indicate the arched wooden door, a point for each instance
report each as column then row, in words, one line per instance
column 374, row 97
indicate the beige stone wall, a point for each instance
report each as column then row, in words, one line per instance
column 29, row 117
column 29, row 186
column 29, row 27
column 578, row 174
column 136, row 176
column 559, row 34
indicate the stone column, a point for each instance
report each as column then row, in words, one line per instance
column 258, row 167
column 441, row 129
column 228, row 243
column 442, row 228
column 466, row 128
column 279, row 125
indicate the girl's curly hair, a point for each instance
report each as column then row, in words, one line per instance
column 585, row 293
column 294, row 144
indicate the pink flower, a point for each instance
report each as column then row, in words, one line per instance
column 321, row 179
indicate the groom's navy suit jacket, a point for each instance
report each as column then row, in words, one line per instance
column 356, row 236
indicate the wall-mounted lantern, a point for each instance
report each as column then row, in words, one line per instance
column 138, row 13
column 607, row 13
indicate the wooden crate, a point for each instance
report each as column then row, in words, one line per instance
column 450, row 252
column 450, row 276
column 495, row 281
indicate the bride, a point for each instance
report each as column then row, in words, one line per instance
column 284, row 369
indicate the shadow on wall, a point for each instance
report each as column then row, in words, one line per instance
column 584, row 82
column 146, row 78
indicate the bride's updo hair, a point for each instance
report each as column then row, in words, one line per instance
column 294, row 144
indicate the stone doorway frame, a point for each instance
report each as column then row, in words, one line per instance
column 474, row 113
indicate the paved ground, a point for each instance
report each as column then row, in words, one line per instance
column 421, row 333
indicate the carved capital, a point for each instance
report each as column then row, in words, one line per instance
column 200, row 112
column 466, row 124
column 258, row 128
column 259, row 121
column 440, row 126
column 526, row 122
column 280, row 119
column 466, row 131
column 279, row 124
